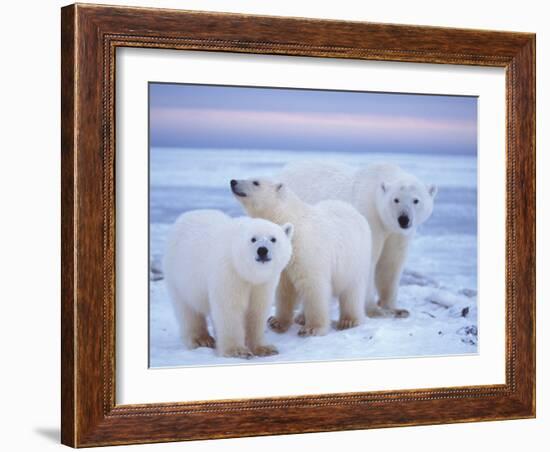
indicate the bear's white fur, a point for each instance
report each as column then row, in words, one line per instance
column 382, row 193
column 331, row 255
column 228, row 268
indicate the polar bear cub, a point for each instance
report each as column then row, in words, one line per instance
column 331, row 255
column 393, row 201
column 227, row 268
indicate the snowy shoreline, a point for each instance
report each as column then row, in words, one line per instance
column 440, row 320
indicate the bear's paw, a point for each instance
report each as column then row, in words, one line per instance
column 276, row 325
column 400, row 313
column 344, row 324
column 378, row 312
column 300, row 319
column 265, row 350
column 238, row 352
column 204, row 341
column 306, row 331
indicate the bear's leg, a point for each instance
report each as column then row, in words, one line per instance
column 316, row 296
column 300, row 318
column 261, row 300
column 192, row 324
column 228, row 314
column 388, row 273
column 351, row 306
column 194, row 331
column 372, row 308
column 284, row 308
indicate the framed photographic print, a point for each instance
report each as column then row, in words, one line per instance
column 281, row 225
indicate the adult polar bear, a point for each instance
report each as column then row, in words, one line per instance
column 228, row 268
column 393, row 201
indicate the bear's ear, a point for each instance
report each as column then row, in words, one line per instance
column 432, row 190
column 289, row 230
column 385, row 187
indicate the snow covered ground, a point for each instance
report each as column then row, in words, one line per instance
column 439, row 286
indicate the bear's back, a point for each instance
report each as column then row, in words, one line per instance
column 193, row 239
column 318, row 181
column 198, row 226
column 344, row 215
column 383, row 172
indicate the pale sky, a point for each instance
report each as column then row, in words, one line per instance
column 225, row 117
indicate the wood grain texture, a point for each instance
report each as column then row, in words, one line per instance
column 68, row 244
column 90, row 36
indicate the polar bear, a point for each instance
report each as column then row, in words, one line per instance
column 331, row 255
column 227, row 268
column 393, row 201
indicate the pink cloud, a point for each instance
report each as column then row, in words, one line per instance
column 319, row 123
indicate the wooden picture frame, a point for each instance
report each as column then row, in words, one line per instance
column 90, row 35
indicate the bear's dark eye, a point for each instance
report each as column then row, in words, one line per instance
column 396, row 201
column 273, row 240
column 416, row 201
column 256, row 183
column 253, row 239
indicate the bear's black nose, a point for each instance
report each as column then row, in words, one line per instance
column 262, row 251
column 404, row 221
column 233, row 182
